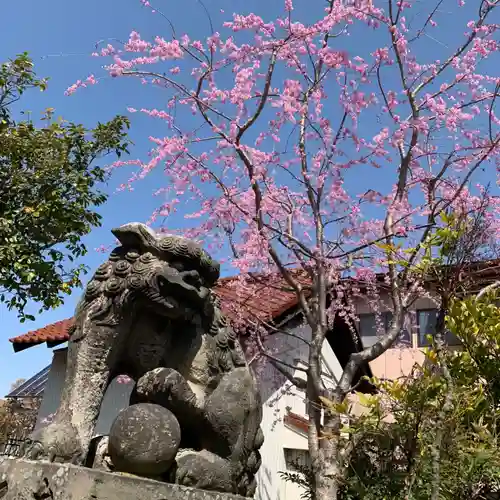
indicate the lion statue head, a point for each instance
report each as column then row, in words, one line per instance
column 170, row 275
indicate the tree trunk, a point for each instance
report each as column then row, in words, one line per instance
column 327, row 467
column 323, row 450
column 328, row 488
column 329, row 474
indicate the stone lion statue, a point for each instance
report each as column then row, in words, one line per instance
column 149, row 313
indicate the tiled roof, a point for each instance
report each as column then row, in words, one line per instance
column 52, row 334
column 296, row 421
column 264, row 298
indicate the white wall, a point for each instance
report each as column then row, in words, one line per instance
column 116, row 398
column 278, row 397
column 53, row 387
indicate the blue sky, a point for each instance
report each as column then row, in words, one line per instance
column 60, row 35
column 58, row 27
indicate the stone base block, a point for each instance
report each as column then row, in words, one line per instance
column 27, row 480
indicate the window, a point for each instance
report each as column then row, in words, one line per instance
column 368, row 329
column 296, row 460
column 426, row 322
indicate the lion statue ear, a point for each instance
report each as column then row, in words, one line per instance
column 135, row 235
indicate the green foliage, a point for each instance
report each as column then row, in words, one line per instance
column 394, row 440
column 477, row 324
column 16, row 76
column 48, row 194
column 458, row 240
column 303, row 477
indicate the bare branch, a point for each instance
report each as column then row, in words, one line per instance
column 263, row 99
column 482, row 18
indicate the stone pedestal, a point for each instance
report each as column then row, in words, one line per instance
column 26, row 480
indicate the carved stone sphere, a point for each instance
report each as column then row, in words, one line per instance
column 144, row 440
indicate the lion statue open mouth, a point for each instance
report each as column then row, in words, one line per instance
column 149, row 313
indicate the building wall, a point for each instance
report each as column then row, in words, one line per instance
column 398, row 361
column 280, row 397
column 395, row 363
column 116, row 398
column 53, row 387
column 277, row 395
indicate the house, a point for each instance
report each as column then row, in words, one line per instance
column 421, row 321
column 284, row 410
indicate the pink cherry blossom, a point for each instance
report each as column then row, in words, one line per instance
column 123, row 379
column 90, row 80
column 136, row 44
column 166, row 50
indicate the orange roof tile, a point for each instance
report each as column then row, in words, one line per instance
column 263, row 298
column 297, row 421
column 56, row 332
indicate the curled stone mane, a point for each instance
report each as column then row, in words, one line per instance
column 193, row 254
column 171, row 247
column 229, row 354
column 125, row 272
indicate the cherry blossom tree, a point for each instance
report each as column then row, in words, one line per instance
column 287, row 121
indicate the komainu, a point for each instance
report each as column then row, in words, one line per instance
column 149, row 313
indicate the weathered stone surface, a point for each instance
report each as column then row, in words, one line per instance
column 60, row 442
column 149, row 313
column 27, row 480
column 101, row 458
column 144, row 440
